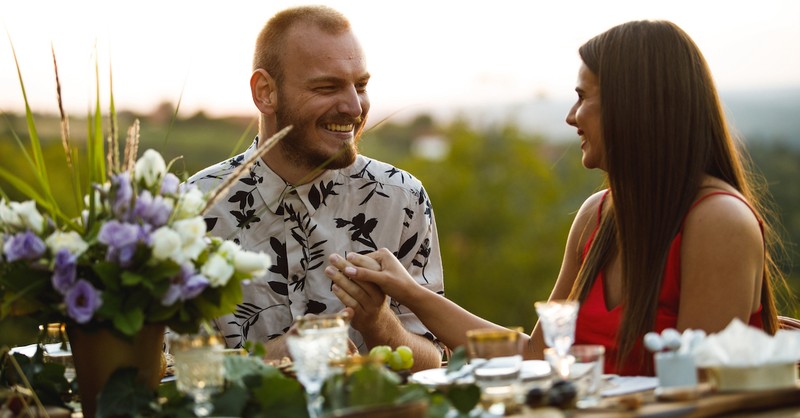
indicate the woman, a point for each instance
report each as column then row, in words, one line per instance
column 677, row 240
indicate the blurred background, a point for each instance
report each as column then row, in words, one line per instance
column 470, row 99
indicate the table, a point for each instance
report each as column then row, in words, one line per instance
column 761, row 404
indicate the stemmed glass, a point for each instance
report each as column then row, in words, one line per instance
column 319, row 342
column 199, row 368
column 558, row 318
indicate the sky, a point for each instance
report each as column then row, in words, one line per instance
column 422, row 54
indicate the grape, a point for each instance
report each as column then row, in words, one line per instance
column 406, row 355
column 395, row 361
column 401, row 358
column 381, row 351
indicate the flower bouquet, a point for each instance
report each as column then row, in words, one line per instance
column 134, row 258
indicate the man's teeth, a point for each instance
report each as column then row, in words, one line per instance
column 339, row 128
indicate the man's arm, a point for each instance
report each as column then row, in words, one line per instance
column 374, row 319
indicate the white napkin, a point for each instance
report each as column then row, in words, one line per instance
column 622, row 385
column 740, row 345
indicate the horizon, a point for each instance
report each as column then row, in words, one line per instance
column 422, row 55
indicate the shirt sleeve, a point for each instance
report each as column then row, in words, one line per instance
column 420, row 255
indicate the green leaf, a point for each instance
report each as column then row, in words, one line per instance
column 129, row 322
column 373, row 385
column 109, row 274
column 231, row 402
column 16, row 331
column 123, row 395
column 131, row 279
column 237, row 367
column 280, row 396
column 463, row 397
column 457, row 359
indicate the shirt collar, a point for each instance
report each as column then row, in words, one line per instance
column 273, row 188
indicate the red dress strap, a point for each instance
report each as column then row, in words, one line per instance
column 697, row 202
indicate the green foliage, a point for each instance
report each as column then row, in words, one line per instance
column 503, row 202
column 46, row 379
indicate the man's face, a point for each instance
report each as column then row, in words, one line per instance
column 324, row 96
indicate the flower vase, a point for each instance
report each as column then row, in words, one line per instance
column 98, row 352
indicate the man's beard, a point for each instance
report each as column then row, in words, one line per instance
column 296, row 146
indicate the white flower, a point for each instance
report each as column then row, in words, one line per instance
column 229, row 249
column 218, row 270
column 190, row 203
column 150, row 168
column 28, row 215
column 70, row 241
column 192, row 232
column 252, row 263
column 166, row 243
column 9, row 218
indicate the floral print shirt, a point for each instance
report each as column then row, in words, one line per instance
column 361, row 208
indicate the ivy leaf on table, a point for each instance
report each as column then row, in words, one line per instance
column 124, row 396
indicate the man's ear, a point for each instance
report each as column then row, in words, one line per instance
column 262, row 87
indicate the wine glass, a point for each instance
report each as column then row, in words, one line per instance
column 558, row 318
column 199, row 368
column 318, row 345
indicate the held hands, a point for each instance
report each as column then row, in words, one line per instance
column 381, row 268
column 365, row 301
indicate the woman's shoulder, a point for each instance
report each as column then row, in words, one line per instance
column 590, row 209
column 719, row 206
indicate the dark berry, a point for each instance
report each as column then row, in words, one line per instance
column 535, row 397
column 562, row 394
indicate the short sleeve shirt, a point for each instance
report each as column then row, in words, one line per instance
column 360, row 208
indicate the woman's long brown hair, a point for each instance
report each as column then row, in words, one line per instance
column 664, row 129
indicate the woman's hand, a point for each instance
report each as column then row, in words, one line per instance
column 381, row 268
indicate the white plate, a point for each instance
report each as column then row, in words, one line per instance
column 531, row 370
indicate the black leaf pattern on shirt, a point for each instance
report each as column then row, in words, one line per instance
column 236, row 161
column 280, row 288
column 375, row 185
column 248, row 315
column 302, row 231
column 211, row 223
column 394, row 171
column 282, row 265
column 245, row 198
column 246, row 218
column 362, row 229
column 423, row 197
column 317, row 196
column 407, row 246
column 421, row 259
column 314, row 307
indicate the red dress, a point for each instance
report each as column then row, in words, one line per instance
column 597, row 325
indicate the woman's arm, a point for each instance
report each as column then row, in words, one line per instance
column 579, row 233
column 443, row 317
column 722, row 261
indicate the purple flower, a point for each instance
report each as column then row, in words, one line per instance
column 24, row 246
column 169, row 185
column 185, row 285
column 82, row 301
column 121, row 239
column 122, row 193
column 65, row 271
column 154, row 211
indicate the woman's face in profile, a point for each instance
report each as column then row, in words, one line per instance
column 585, row 116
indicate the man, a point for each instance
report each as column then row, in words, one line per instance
column 312, row 195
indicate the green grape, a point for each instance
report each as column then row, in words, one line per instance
column 395, row 361
column 381, row 351
column 406, row 355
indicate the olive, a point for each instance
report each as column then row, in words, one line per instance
column 562, row 394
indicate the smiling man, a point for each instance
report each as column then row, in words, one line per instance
column 313, row 195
